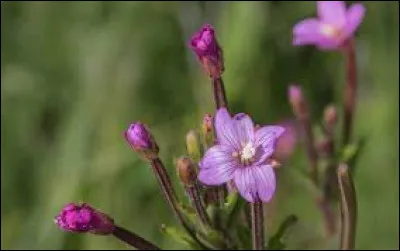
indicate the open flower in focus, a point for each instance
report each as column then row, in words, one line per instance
column 83, row 218
column 335, row 24
column 243, row 155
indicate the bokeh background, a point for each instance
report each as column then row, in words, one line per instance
column 75, row 74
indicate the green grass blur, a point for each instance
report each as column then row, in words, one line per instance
column 75, row 74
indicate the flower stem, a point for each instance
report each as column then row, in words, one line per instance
column 219, row 92
column 310, row 148
column 220, row 101
column 133, row 239
column 170, row 195
column 348, row 208
column 194, row 195
column 257, row 225
column 350, row 90
column 330, row 184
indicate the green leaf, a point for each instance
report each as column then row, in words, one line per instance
column 180, row 236
column 351, row 152
column 244, row 237
column 276, row 242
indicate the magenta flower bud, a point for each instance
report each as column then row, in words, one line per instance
column 204, row 44
column 295, row 94
column 141, row 140
column 83, row 218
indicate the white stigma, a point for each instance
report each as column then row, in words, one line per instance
column 330, row 30
column 247, row 153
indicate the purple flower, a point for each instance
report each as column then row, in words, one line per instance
column 84, row 218
column 141, row 140
column 333, row 26
column 243, row 155
column 208, row 52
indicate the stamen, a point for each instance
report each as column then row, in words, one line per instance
column 330, row 30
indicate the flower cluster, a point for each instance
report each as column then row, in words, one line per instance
column 236, row 159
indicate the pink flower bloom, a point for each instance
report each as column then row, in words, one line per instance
column 84, row 218
column 333, row 26
column 204, row 44
column 242, row 155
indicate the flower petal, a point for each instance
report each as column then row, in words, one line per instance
column 354, row 16
column 226, row 129
column 244, row 127
column 266, row 138
column 306, row 32
column 267, row 135
column 246, row 183
column 255, row 183
column 266, row 183
column 332, row 12
column 217, row 165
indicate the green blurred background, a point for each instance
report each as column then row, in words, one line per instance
column 75, row 74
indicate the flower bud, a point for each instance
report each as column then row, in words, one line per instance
column 186, row 171
column 83, row 218
column 193, row 145
column 295, row 94
column 141, row 140
column 207, row 123
column 330, row 116
column 204, row 44
column 296, row 99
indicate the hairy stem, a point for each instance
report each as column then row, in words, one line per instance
column 257, row 225
column 195, row 198
column 350, row 90
column 170, row 195
column 219, row 93
column 133, row 239
column 348, row 208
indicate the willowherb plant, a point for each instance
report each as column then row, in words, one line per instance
column 228, row 172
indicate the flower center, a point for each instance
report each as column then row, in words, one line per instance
column 247, row 154
column 330, row 31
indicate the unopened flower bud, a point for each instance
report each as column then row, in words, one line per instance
column 330, row 116
column 204, row 44
column 186, row 171
column 193, row 144
column 83, row 218
column 207, row 123
column 296, row 99
column 141, row 140
column 295, row 94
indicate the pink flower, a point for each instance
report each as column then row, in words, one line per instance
column 204, row 44
column 242, row 155
column 333, row 26
column 84, row 218
column 141, row 140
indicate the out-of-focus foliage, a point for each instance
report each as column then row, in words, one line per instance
column 75, row 74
